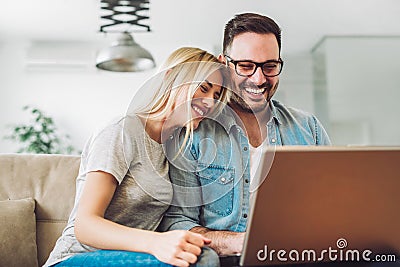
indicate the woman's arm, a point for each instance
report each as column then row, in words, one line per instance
column 177, row 248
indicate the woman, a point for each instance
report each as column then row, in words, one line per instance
column 123, row 186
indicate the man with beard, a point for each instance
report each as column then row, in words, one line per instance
column 212, row 179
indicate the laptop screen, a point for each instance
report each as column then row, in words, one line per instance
column 313, row 204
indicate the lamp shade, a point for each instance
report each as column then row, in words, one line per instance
column 125, row 55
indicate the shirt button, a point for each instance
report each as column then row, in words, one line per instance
column 245, row 148
column 246, row 181
column 171, row 137
column 223, row 179
column 245, row 215
column 273, row 140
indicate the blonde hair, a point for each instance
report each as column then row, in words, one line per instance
column 188, row 66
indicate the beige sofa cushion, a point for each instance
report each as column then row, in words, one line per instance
column 18, row 233
column 50, row 181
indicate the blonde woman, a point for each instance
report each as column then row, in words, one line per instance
column 123, row 187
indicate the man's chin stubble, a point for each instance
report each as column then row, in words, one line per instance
column 239, row 102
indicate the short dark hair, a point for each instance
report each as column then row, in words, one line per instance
column 250, row 22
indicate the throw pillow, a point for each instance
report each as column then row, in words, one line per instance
column 18, row 233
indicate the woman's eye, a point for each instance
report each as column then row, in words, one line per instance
column 203, row 89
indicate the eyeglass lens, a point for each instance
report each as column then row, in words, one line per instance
column 247, row 68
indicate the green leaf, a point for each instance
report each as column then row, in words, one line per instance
column 40, row 135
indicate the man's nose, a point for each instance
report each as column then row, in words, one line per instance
column 258, row 77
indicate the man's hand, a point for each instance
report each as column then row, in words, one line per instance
column 223, row 242
column 178, row 248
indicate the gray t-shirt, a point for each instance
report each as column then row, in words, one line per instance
column 138, row 163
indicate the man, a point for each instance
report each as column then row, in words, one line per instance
column 212, row 180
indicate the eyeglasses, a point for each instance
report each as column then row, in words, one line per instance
column 270, row 68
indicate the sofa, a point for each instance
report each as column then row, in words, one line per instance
column 36, row 197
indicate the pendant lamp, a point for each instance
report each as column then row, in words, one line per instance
column 124, row 54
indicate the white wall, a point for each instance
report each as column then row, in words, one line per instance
column 296, row 82
column 362, row 88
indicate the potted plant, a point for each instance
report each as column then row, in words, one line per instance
column 40, row 135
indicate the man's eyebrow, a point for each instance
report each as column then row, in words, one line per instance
column 249, row 60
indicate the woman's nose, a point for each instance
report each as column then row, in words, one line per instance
column 208, row 102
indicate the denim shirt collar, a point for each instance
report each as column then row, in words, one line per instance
column 228, row 117
column 274, row 112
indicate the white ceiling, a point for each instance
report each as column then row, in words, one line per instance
column 185, row 22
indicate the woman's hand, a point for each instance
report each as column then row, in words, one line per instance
column 179, row 247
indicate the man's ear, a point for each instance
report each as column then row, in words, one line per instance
column 221, row 59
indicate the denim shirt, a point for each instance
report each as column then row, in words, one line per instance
column 211, row 182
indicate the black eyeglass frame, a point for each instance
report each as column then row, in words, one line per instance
column 260, row 64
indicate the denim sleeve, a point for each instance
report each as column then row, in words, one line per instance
column 184, row 211
column 321, row 136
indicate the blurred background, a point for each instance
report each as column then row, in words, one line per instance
column 342, row 61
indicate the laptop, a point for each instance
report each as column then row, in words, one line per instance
column 324, row 204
